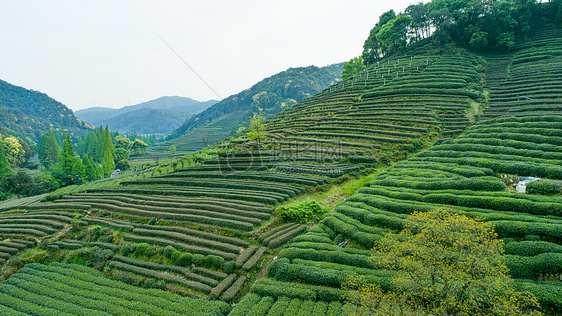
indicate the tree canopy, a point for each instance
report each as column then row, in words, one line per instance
column 474, row 24
column 352, row 67
column 446, row 264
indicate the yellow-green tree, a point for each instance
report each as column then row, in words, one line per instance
column 446, row 264
column 14, row 151
column 139, row 146
column 257, row 128
column 123, row 142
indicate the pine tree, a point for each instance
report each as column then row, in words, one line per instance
column 100, row 146
column 49, row 149
column 92, row 151
column 108, row 165
column 108, row 160
column 77, row 170
column 67, row 155
column 108, row 144
column 92, row 171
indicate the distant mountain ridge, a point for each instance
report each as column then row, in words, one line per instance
column 30, row 114
column 156, row 116
column 271, row 95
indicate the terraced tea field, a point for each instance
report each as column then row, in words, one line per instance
column 436, row 128
column 464, row 174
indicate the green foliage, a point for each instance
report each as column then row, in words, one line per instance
column 122, row 143
column 278, row 289
column 125, row 250
column 543, row 187
column 168, row 251
column 372, row 49
column 139, row 146
column 232, row 291
column 393, row 35
column 301, row 212
column 222, row 286
column 257, row 128
column 352, row 67
column 121, row 154
column 14, row 150
column 5, row 168
column 19, row 184
column 122, row 165
column 446, row 263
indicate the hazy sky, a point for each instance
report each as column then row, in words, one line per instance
column 108, row 53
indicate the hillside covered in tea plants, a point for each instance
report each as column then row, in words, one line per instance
column 277, row 220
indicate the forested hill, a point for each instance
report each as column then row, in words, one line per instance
column 30, row 114
column 272, row 95
column 161, row 115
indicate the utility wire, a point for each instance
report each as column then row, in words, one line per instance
column 195, row 72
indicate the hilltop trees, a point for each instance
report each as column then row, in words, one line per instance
column 480, row 24
column 372, row 49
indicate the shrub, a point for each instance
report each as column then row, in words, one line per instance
column 544, row 187
column 228, row 267
column 251, row 263
column 305, row 292
column 531, row 248
column 278, row 309
column 279, row 240
column 176, row 256
column 532, row 267
column 231, row 292
column 198, row 259
column 226, row 283
column 185, row 259
column 212, row 261
column 302, row 212
column 144, row 249
column 244, row 256
column 168, row 251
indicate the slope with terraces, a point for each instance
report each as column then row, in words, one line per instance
column 206, row 231
column 512, row 139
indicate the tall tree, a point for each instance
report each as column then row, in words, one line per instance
column 372, row 50
column 93, row 145
column 68, row 155
column 108, row 144
column 5, row 168
column 14, row 151
column 49, row 149
column 123, row 142
column 394, row 34
column 92, row 171
column 257, row 128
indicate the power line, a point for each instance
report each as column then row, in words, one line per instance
column 195, row 72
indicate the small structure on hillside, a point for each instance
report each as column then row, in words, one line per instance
column 115, row 173
column 521, row 186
